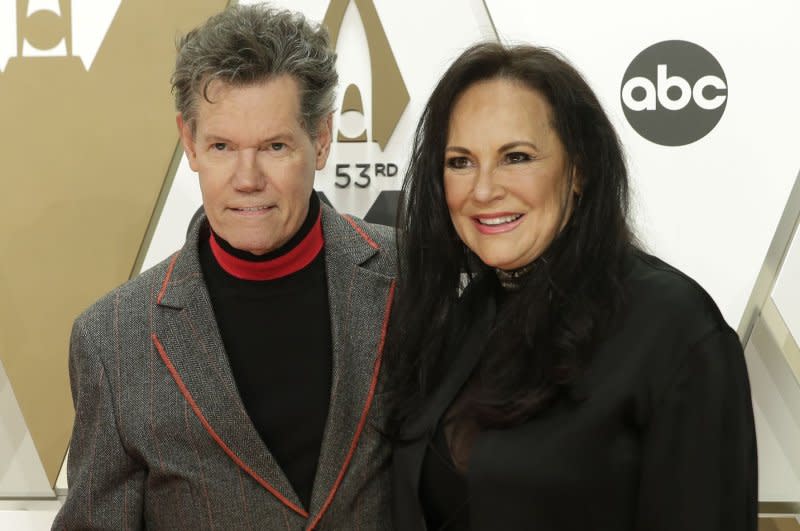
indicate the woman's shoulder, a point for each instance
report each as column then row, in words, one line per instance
column 657, row 288
column 675, row 339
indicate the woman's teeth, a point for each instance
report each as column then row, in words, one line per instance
column 500, row 220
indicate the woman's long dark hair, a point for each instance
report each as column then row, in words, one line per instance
column 544, row 332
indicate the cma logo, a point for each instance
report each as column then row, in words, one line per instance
column 674, row 93
column 54, row 28
column 389, row 93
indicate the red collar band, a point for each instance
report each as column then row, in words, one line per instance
column 291, row 262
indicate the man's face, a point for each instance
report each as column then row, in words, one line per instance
column 255, row 160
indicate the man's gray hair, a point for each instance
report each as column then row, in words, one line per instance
column 244, row 45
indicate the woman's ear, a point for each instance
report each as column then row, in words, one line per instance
column 577, row 183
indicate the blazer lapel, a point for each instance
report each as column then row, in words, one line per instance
column 463, row 355
column 360, row 303
column 186, row 337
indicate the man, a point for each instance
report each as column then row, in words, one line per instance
column 233, row 385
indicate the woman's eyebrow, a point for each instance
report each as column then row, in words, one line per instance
column 518, row 143
column 458, row 149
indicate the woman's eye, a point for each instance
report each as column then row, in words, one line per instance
column 219, row 146
column 457, row 163
column 517, row 157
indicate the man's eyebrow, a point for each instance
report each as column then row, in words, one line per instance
column 214, row 139
column 283, row 135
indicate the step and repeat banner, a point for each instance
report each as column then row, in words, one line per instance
column 87, row 135
column 96, row 188
column 702, row 107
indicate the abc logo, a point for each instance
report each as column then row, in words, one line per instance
column 674, row 93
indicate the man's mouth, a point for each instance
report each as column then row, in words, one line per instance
column 251, row 209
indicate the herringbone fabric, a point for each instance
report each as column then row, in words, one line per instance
column 161, row 439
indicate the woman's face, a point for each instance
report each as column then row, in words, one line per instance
column 505, row 175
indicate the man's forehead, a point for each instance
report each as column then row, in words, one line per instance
column 213, row 90
column 272, row 101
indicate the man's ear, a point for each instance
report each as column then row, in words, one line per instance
column 322, row 144
column 187, row 139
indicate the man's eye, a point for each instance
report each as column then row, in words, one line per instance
column 219, row 146
column 517, row 157
column 457, row 163
column 277, row 146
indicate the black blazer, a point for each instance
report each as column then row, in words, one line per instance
column 656, row 435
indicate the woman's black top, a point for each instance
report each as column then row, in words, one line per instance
column 443, row 491
column 658, row 434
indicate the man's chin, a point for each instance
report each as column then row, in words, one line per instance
column 255, row 244
column 257, row 249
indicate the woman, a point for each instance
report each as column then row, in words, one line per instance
column 549, row 374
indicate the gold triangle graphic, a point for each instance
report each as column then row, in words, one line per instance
column 389, row 93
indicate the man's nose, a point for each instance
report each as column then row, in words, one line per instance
column 248, row 175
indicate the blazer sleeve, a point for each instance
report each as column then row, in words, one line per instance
column 699, row 468
column 106, row 485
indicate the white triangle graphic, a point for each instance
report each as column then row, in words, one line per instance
column 8, row 34
column 91, row 21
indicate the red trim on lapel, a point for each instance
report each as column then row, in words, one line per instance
column 361, row 232
column 367, row 405
column 166, row 278
column 188, row 396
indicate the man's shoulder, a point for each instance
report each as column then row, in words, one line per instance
column 135, row 293
column 348, row 234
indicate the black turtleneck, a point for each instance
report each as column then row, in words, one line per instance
column 278, row 341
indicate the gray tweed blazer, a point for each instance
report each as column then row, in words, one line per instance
column 161, row 439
